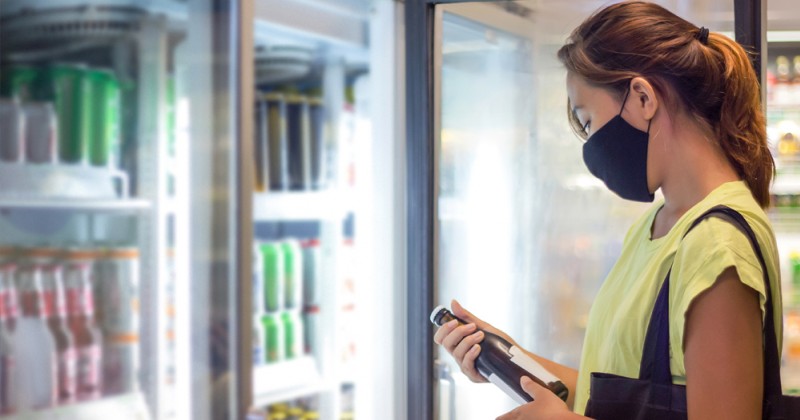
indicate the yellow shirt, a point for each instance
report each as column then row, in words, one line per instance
column 621, row 311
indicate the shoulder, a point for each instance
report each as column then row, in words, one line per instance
column 712, row 247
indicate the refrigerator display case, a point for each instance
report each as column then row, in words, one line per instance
column 119, row 201
column 325, row 209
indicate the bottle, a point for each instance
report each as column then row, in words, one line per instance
column 6, row 356
column 784, row 77
column 116, row 284
column 503, row 364
column 34, row 346
column 9, row 298
column 259, row 340
column 80, row 309
column 66, row 354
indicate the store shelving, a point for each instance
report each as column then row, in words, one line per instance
column 66, row 187
column 298, row 377
column 81, row 205
column 301, row 206
column 121, row 407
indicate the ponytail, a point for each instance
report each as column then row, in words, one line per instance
column 742, row 126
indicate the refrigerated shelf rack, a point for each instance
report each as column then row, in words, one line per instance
column 287, row 380
column 119, row 407
column 300, row 206
column 82, row 205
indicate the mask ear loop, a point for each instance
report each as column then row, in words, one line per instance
column 625, row 99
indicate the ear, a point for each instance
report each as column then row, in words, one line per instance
column 642, row 98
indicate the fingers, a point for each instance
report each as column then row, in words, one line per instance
column 466, row 344
column 468, row 364
column 530, row 386
column 456, row 335
column 444, row 330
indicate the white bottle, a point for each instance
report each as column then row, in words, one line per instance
column 34, row 347
column 35, row 356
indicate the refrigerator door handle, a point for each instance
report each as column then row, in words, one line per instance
column 444, row 374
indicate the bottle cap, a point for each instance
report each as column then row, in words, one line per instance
column 436, row 311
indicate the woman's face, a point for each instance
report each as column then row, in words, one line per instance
column 594, row 107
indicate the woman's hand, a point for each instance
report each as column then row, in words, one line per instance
column 461, row 341
column 545, row 405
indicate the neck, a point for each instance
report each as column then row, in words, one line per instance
column 697, row 166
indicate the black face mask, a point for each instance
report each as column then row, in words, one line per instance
column 617, row 155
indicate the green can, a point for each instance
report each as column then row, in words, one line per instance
column 104, row 143
column 293, row 330
column 274, row 336
column 18, row 82
column 293, row 265
column 69, row 88
column 272, row 261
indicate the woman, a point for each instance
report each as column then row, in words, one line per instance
column 666, row 105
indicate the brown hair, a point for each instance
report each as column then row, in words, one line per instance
column 714, row 81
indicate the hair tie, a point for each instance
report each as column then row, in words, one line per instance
column 702, row 35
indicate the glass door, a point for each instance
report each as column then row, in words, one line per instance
column 118, row 208
column 514, row 241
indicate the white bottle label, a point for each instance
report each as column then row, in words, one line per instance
column 524, row 361
column 507, row 389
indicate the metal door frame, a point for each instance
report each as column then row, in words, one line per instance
column 750, row 27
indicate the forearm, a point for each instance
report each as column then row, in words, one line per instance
column 568, row 375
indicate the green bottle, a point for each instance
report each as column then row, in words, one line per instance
column 293, row 266
column 274, row 276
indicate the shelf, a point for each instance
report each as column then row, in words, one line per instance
column 301, row 206
column 786, row 183
column 341, row 28
column 87, row 205
column 122, row 407
column 286, row 380
column 785, row 219
column 783, row 107
column 21, row 181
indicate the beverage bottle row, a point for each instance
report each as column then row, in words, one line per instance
column 785, row 201
column 278, row 337
column 285, row 304
column 68, row 325
column 292, row 150
column 300, row 409
column 60, row 113
column 784, row 84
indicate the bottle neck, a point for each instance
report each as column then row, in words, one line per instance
column 444, row 317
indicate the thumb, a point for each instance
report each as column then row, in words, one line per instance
column 530, row 386
column 462, row 313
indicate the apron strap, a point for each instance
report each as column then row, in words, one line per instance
column 655, row 364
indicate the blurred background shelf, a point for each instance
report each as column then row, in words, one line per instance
column 301, row 206
column 287, row 380
column 121, row 407
column 85, row 205
column 55, row 182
